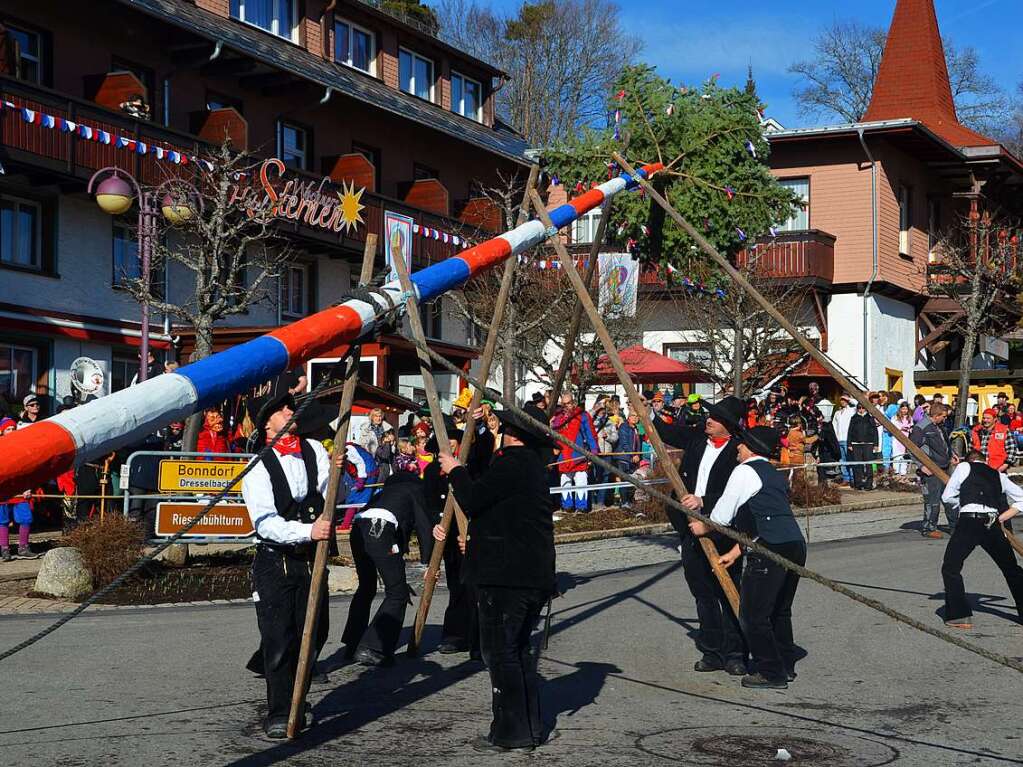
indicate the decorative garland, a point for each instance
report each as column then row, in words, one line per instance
column 100, row 136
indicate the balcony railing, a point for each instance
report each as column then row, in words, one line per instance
column 68, row 154
column 803, row 255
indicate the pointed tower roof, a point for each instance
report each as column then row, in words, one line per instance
column 912, row 80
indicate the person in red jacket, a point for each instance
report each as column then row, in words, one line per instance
column 211, row 438
column 994, row 441
column 573, row 423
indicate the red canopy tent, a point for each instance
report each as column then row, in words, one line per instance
column 648, row 367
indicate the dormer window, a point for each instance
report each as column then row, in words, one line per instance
column 354, row 46
column 466, row 97
column 275, row 16
column 415, row 74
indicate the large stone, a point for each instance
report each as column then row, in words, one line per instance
column 175, row 555
column 341, row 580
column 62, row 573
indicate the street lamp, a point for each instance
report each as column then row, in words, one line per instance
column 115, row 194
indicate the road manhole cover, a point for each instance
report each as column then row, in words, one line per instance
column 758, row 747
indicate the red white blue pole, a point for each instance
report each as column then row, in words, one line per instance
column 30, row 456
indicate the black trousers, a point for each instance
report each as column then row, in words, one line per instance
column 970, row 532
column 461, row 621
column 765, row 610
column 281, row 578
column 863, row 474
column 374, row 547
column 508, row 617
column 719, row 639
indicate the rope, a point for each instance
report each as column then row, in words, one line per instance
column 146, row 559
column 750, row 545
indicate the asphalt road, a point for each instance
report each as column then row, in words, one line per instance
column 154, row 687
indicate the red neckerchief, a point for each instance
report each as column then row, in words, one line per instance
column 289, row 445
column 718, row 442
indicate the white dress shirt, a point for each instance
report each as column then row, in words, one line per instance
column 258, row 494
column 743, row 484
column 1012, row 491
column 840, row 421
column 710, row 454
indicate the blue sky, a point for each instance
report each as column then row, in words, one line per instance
column 688, row 40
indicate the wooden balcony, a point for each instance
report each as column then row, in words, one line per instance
column 807, row 256
column 69, row 157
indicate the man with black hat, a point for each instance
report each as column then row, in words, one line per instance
column 756, row 502
column 708, row 460
column 380, row 539
column 510, row 561
column 460, row 630
column 284, row 497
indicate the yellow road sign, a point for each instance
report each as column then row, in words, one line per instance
column 179, row 476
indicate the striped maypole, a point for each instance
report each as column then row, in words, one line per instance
column 35, row 454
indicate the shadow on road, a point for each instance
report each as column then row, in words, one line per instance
column 883, row 736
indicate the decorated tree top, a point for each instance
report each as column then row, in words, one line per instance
column 712, row 144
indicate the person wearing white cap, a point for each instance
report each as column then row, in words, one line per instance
column 31, row 410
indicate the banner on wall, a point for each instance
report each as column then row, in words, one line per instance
column 618, row 284
column 397, row 241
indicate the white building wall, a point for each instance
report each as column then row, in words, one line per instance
column 891, row 345
column 845, row 332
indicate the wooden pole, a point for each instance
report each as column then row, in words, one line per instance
column 306, row 656
column 636, row 404
column 806, row 343
column 577, row 310
column 489, row 348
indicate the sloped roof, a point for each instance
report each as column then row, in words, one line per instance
column 646, row 366
column 276, row 52
column 912, row 80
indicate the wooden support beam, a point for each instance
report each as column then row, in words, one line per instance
column 938, row 332
column 577, row 311
column 635, row 402
column 306, row 657
column 489, row 349
column 822, row 318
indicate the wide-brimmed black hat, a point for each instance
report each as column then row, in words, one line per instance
column 453, row 431
column 729, row 412
column 268, row 399
column 762, row 440
column 526, row 429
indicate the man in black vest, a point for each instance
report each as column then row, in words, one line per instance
column 756, row 502
column 980, row 493
column 510, row 561
column 710, row 456
column 284, row 497
column 380, row 539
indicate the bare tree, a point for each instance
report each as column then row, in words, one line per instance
column 839, row 80
column 978, row 268
column 229, row 246
column 561, row 58
column 716, row 318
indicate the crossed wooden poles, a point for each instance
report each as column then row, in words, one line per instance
column 584, row 304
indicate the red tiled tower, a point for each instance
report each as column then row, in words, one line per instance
column 912, row 80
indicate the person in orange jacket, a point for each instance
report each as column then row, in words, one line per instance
column 994, row 441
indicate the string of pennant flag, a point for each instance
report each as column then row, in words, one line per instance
column 101, row 136
column 436, row 234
